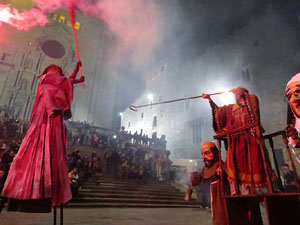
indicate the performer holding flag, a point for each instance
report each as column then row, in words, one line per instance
column 39, row 172
column 72, row 18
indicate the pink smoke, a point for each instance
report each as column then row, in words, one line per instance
column 134, row 22
column 52, row 5
column 24, row 20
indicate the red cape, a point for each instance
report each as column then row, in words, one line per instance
column 40, row 168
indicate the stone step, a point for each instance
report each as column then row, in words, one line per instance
column 127, row 192
column 136, row 185
column 129, row 205
column 141, row 189
column 130, row 195
column 111, row 192
column 118, row 181
column 132, row 200
column 121, row 186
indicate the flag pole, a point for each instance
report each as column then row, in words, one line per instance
column 72, row 18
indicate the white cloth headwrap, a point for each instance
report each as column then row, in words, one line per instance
column 295, row 78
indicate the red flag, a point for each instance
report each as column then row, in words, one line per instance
column 72, row 18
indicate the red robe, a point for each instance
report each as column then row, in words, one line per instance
column 40, row 169
column 244, row 146
column 217, row 191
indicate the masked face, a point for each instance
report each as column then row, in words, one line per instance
column 293, row 96
column 239, row 94
column 207, row 155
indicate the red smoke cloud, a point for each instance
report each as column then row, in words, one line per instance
column 22, row 20
column 52, row 5
column 134, row 22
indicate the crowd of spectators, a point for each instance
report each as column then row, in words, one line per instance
column 12, row 129
column 119, row 153
column 7, row 154
column 142, row 139
column 137, row 164
column 83, row 167
column 81, row 133
column 123, row 163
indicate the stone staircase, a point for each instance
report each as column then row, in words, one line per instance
column 111, row 192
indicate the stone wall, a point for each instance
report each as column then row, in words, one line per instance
column 25, row 54
column 261, row 56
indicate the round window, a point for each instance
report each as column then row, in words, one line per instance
column 53, row 48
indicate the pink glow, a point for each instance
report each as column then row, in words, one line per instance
column 52, row 5
column 24, row 20
column 134, row 22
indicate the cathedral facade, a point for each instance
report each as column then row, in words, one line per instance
column 249, row 57
column 25, row 54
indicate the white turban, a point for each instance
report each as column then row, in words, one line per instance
column 295, row 78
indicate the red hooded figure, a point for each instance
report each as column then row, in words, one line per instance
column 39, row 172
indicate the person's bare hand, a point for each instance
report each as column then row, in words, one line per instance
column 78, row 65
column 291, row 131
column 206, row 96
column 56, row 112
column 82, row 79
column 219, row 170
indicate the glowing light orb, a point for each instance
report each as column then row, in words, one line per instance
column 150, row 97
column 228, row 98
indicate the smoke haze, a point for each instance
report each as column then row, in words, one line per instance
column 134, row 22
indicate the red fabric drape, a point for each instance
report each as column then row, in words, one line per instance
column 40, row 168
column 243, row 145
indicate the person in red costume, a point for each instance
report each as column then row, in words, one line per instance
column 38, row 177
column 244, row 161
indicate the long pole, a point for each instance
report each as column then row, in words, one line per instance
column 62, row 214
column 72, row 18
column 54, row 215
column 133, row 107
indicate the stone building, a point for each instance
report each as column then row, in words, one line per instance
column 261, row 55
column 25, row 54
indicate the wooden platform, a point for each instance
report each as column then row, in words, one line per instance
column 281, row 209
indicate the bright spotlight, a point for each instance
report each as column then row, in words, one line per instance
column 115, row 136
column 227, row 98
column 121, row 114
column 191, row 160
column 150, row 97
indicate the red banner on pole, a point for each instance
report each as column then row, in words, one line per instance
column 72, row 18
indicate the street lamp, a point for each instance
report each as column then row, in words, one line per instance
column 150, row 97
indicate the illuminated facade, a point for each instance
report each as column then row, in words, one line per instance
column 246, row 58
column 25, row 54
